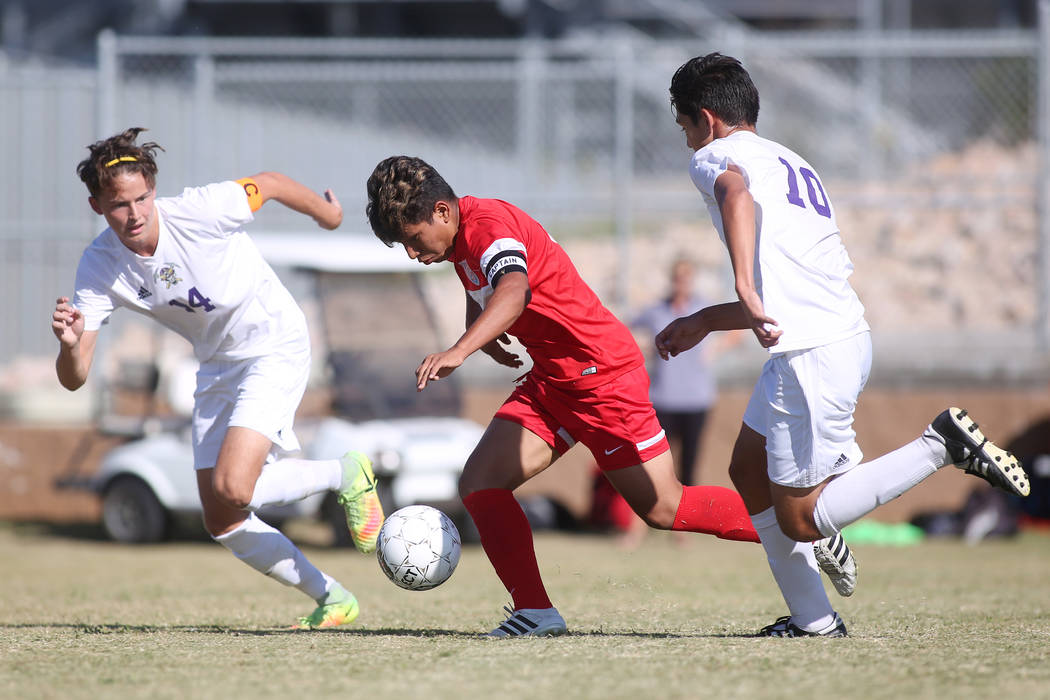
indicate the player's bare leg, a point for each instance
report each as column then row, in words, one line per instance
column 255, row 542
column 506, row 456
column 793, row 564
column 240, row 462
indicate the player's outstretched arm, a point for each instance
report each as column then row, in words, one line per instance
column 325, row 210
column 738, row 218
column 686, row 332
column 508, row 300
column 76, row 347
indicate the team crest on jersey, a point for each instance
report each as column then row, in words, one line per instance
column 167, row 275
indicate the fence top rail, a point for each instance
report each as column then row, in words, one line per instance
column 908, row 43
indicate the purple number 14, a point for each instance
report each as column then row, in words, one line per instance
column 196, row 301
column 813, row 186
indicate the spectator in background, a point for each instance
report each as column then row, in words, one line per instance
column 683, row 389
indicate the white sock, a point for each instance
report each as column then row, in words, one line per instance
column 859, row 491
column 289, row 480
column 794, row 569
column 267, row 550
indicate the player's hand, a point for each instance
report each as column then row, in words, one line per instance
column 764, row 327
column 67, row 322
column 680, row 335
column 766, row 331
column 331, row 214
column 438, row 365
column 499, row 354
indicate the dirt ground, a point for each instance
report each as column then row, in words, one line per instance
column 32, row 457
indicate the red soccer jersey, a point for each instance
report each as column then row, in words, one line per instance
column 574, row 341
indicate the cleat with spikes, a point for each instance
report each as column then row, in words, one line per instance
column 975, row 454
column 837, row 562
column 530, row 622
column 331, row 615
column 784, row 627
column 358, row 497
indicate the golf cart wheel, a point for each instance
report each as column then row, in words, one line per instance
column 132, row 513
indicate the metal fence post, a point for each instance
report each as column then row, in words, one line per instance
column 1043, row 196
column 106, row 105
column 623, row 159
column 203, row 95
column 531, row 58
column 871, row 89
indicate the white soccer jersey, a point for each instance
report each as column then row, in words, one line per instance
column 802, row 268
column 206, row 281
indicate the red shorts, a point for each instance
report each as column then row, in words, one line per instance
column 616, row 420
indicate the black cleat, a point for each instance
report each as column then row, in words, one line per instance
column 783, row 627
column 975, row 454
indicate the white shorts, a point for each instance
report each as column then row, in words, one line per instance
column 261, row 393
column 803, row 404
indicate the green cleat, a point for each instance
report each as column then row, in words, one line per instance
column 358, row 497
column 331, row 615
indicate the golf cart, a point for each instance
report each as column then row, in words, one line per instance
column 376, row 328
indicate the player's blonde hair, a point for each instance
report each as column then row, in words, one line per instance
column 403, row 190
column 116, row 155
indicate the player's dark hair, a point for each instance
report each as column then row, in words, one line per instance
column 719, row 84
column 403, row 190
column 117, row 155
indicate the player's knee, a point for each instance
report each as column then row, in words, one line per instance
column 233, row 493
column 661, row 516
column 470, row 483
column 799, row 529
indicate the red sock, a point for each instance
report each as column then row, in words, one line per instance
column 714, row 510
column 507, row 539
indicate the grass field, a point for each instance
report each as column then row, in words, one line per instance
column 83, row 618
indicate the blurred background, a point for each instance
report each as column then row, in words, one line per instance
column 927, row 120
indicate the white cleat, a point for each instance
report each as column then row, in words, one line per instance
column 530, row 622
column 836, row 560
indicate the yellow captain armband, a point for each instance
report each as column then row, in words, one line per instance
column 255, row 199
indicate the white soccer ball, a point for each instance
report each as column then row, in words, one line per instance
column 418, row 547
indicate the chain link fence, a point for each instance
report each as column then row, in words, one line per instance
column 929, row 143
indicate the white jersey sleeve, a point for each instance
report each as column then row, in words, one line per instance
column 92, row 294
column 709, row 164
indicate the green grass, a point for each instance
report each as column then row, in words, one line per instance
column 83, row 618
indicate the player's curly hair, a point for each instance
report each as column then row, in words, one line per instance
column 403, row 190
column 717, row 83
column 117, row 155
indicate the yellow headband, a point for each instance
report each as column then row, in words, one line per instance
column 122, row 159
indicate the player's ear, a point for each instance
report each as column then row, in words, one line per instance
column 442, row 211
column 95, row 206
column 708, row 117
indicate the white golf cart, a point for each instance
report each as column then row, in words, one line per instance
column 376, row 329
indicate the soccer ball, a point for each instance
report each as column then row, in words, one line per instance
column 418, row 547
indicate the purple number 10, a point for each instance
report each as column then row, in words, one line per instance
column 813, row 186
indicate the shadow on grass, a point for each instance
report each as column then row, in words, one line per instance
column 118, row 628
